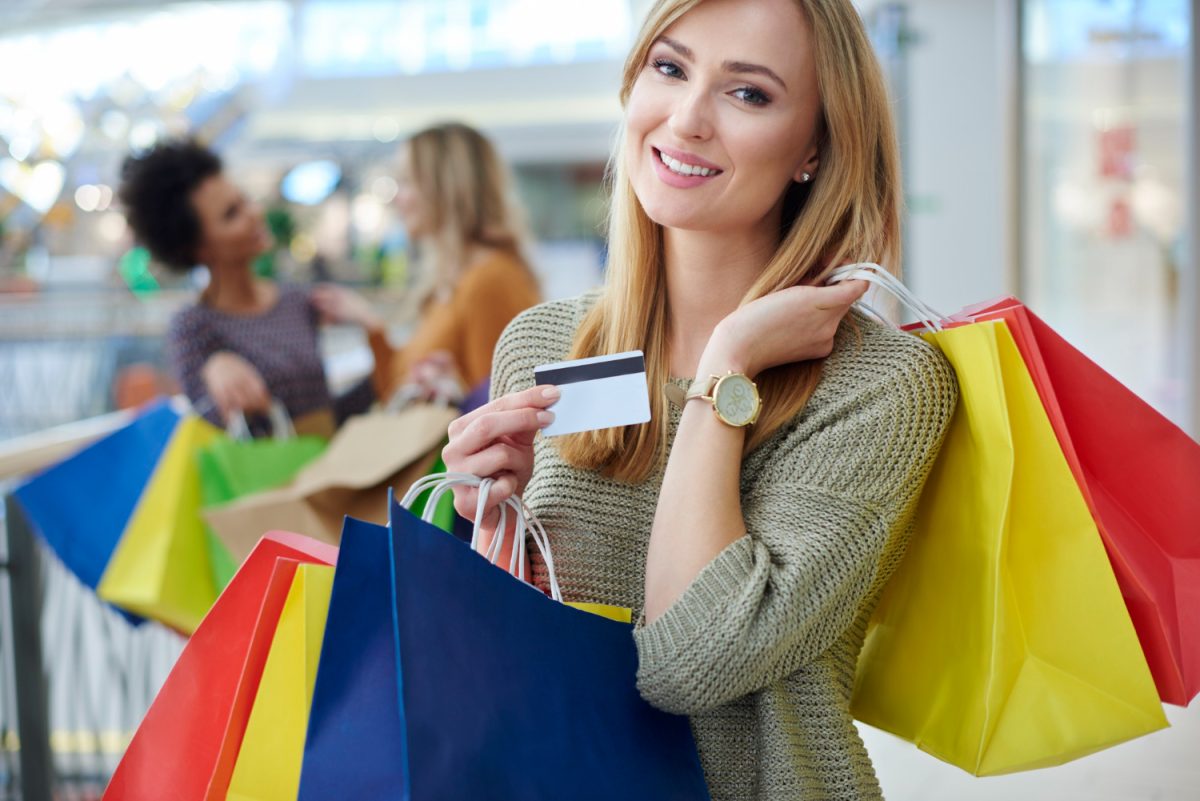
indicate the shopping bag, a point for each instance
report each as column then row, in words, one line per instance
column 354, row 732
column 234, row 468
column 199, row 715
column 268, row 763
column 1001, row 642
column 1140, row 475
column 160, row 568
column 354, row 727
column 81, row 505
column 368, row 454
column 506, row 693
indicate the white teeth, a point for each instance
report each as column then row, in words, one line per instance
column 684, row 169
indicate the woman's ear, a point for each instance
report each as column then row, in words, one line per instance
column 808, row 170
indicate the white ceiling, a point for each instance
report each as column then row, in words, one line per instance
column 18, row 14
column 541, row 114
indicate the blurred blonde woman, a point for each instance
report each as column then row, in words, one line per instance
column 456, row 201
column 754, row 520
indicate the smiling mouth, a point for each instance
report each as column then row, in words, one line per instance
column 682, row 168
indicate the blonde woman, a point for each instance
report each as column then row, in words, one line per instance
column 456, row 202
column 758, row 155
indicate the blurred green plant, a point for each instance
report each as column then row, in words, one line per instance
column 134, row 268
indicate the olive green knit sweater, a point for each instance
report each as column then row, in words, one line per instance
column 760, row 650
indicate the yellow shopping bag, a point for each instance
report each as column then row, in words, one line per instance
column 160, row 568
column 1002, row 642
column 268, row 764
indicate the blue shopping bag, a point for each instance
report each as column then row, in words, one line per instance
column 354, row 734
column 505, row 693
column 80, row 506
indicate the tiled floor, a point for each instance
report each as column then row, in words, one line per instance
column 1164, row 766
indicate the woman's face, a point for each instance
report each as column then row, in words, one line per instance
column 232, row 229
column 414, row 211
column 724, row 116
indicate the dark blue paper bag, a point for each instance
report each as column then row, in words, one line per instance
column 81, row 505
column 506, row 694
column 354, row 736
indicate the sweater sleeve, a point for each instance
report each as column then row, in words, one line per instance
column 777, row 598
column 190, row 344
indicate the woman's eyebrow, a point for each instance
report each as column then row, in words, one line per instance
column 740, row 67
column 753, row 69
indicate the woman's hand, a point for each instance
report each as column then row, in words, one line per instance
column 792, row 325
column 496, row 441
column 234, row 385
column 337, row 304
column 437, row 376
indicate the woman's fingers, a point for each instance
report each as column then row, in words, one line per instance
column 519, row 424
column 497, row 459
column 535, row 398
column 466, row 499
column 839, row 297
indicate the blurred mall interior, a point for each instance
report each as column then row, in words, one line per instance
column 1050, row 151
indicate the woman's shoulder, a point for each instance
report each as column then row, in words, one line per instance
column 555, row 318
column 869, row 354
column 189, row 320
column 884, row 402
column 292, row 296
column 541, row 334
column 494, row 267
column 497, row 278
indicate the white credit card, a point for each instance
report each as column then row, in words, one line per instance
column 599, row 392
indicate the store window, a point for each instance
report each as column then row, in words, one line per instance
column 1104, row 192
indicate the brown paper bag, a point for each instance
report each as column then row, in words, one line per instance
column 318, row 423
column 369, row 454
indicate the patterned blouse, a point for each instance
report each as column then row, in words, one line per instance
column 281, row 343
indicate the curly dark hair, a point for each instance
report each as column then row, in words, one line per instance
column 156, row 190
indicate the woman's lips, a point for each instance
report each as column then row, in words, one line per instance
column 678, row 180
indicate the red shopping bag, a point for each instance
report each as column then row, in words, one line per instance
column 186, row 746
column 1140, row 475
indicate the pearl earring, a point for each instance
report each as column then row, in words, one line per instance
column 805, row 178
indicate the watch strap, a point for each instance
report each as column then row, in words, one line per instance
column 702, row 388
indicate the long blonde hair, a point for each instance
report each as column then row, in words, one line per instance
column 850, row 213
column 469, row 194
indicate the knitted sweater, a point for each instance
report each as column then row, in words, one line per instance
column 760, row 650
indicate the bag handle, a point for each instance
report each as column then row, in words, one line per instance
column 876, row 275
column 281, row 423
column 527, row 524
column 446, row 393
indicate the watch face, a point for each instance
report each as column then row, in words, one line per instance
column 736, row 399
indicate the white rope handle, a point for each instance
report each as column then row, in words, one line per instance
column 876, row 275
column 526, row 524
column 446, row 393
column 281, row 423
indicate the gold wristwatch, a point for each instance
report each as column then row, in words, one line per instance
column 734, row 397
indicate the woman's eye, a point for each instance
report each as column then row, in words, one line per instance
column 751, row 96
column 668, row 68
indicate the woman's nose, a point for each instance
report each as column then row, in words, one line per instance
column 692, row 116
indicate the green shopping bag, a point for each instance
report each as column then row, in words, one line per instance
column 233, row 468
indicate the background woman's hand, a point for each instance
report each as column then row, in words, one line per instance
column 438, row 378
column 337, row 304
column 234, row 385
column 496, row 441
column 792, row 325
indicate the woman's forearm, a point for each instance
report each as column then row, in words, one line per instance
column 699, row 507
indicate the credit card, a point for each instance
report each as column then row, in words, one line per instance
column 597, row 392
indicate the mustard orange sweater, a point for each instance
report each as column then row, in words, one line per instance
column 467, row 324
